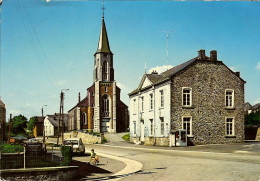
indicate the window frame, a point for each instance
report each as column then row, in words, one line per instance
column 151, row 101
column 134, row 124
column 233, row 98
column 190, row 117
column 162, row 98
column 151, row 127
column 190, row 99
column 142, row 104
column 233, row 126
column 162, row 127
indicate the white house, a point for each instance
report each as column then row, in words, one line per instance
column 51, row 123
column 150, row 110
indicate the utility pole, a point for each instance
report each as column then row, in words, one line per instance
column 61, row 116
column 10, row 126
column 43, row 125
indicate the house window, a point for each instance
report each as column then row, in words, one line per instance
column 134, row 127
column 151, row 101
column 151, row 127
column 142, row 103
column 186, row 96
column 162, row 98
column 187, row 125
column 162, row 125
column 230, row 127
column 230, row 98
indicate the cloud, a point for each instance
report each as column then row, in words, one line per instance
column 257, row 101
column 161, row 69
column 233, row 69
column 60, row 82
column 258, row 66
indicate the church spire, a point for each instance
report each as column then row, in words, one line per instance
column 103, row 44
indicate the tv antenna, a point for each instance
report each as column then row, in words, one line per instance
column 103, row 9
column 167, row 39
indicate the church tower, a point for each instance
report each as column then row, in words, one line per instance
column 105, row 85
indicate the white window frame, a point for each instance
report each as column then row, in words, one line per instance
column 190, row 89
column 162, row 123
column 233, row 126
column 162, row 98
column 142, row 103
column 134, row 125
column 151, row 101
column 232, row 101
column 134, row 106
column 151, row 127
column 182, row 124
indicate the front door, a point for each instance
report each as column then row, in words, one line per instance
column 142, row 130
column 105, row 125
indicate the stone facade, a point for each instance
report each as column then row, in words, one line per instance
column 87, row 138
column 2, row 121
column 207, row 99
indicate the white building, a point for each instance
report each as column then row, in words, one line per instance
column 150, row 110
column 51, row 123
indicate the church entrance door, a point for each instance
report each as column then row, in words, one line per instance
column 105, row 124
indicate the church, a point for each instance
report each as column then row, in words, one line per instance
column 101, row 110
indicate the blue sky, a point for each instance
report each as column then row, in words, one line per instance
column 49, row 46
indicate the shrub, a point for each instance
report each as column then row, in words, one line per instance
column 104, row 140
column 126, row 137
column 8, row 148
column 66, row 152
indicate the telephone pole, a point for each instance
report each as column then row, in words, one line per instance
column 43, row 125
column 10, row 126
column 61, row 116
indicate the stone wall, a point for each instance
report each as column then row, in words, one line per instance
column 208, row 80
column 154, row 141
column 87, row 138
column 41, row 174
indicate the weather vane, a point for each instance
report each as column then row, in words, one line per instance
column 103, row 8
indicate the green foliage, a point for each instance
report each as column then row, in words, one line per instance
column 19, row 124
column 104, row 140
column 252, row 119
column 126, row 137
column 8, row 148
column 32, row 122
column 66, row 152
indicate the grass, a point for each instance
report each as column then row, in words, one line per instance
column 126, row 137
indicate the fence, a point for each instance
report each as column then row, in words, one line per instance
column 31, row 157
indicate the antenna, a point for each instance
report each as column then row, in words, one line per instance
column 167, row 39
column 145, row 67
column 103, row 9
column 0, row 52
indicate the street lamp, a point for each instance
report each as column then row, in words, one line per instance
column 43, row 125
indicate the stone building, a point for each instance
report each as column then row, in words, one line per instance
column 206, row 99
column 101, row 110
column 2, row 121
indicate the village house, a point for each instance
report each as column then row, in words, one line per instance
column 202, row 96
column 101, row 110
column 38, row 128
column 51, row 123
column 2, row 121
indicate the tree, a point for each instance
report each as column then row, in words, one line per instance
column 19, row 124
column 252, row 119
column 32, row 122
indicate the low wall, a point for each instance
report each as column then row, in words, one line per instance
column 67, row 173
column 87, row 138
column 163, row 141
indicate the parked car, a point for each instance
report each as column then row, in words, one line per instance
column 77, row 145
column 35, row 141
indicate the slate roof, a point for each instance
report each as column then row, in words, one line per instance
column 54, row 119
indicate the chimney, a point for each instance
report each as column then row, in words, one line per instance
column 238, row 74
column 213, row 55
column 154, row 72
column 201, row 54
column 79, row 97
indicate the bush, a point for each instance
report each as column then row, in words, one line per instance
column 126, row 137
column 104, row 140
column 66, row 152
column 8, row 148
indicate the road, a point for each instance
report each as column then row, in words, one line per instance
column 164, row 163
column 168, row 164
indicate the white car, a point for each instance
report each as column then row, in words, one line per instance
column 35, row 140
column 77, row 145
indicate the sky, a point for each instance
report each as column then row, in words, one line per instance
column 50, row 46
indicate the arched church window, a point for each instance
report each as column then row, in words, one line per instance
column 84, row 118
column 105, row 70
column 105, row 104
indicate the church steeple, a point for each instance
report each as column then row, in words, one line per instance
column 103, row 44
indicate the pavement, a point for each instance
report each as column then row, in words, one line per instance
column 128, row 161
